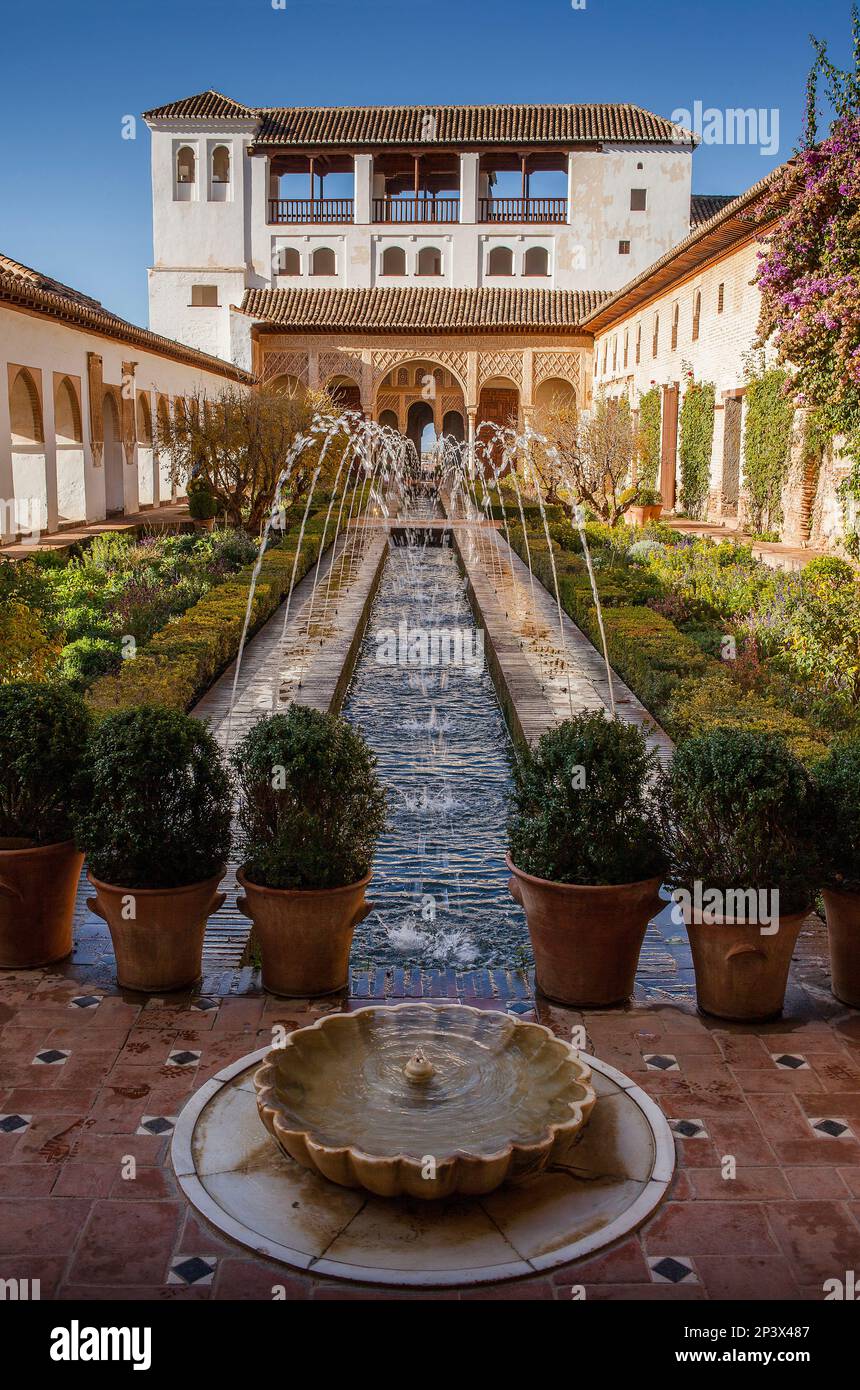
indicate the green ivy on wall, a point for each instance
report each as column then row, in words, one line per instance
column 649, row 437
column 697, row 435
column 767, row 446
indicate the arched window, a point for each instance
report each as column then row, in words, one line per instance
column 421, row 376
column 394, row 261
column 25, row 410
column 536, row 261
column 186, row 165
column 67, row 414
column 220, row 164
column 144, row 419
column 501, row 261
column 323, row 261
column 403, row 377
column 388, row 418
column 429, row 261
column 697, row 314
column 290, row 261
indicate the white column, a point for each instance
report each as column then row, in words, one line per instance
column 469, row 165
column 363, row 178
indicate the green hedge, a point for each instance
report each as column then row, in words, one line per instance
column 686, row 690
column 181, row 661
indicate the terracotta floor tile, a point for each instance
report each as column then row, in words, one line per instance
column 761, row 1081
column 255, row 1279
column 731, row 1229
column 818, row 1238
column 625, row 1264
column 85, row 1179
column 749, row 1184
column 817, row 1153
column 44, row 1269
column 27, row 1180
column 645, row 1293
column 816, row 1182
column 851, row 1177
column 127, row 1243
column 37, row 1227
column 754, row 1277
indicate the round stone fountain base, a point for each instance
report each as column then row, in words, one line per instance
column 232, row 1171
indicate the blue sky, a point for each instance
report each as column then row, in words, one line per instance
column 75, row 197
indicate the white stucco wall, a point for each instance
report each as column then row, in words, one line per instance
column 66, row 482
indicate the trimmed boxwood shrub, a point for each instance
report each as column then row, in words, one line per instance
column 311, row 804
column 44, row 731
column 159, row 806
column 738, row 810
column 581, row 810
column 838, row 778
column 181, row 661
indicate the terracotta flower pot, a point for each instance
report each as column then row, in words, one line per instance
column 160, row 947
column 843, row 927
column 305, row 934
column 38, row 886
column 641, row 516
column 741, row 973
column 586, row 939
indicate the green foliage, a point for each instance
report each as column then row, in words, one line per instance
column 737, row 811
column 202, row 503
column 311, row 804
column 696, row 439
column 158, row 814
column 767, row 446
column 650, row 424
column 83, row 660
column 43, row 744
column 715, row 700
column 182, row 660
column 838, row 778
column 580, row 810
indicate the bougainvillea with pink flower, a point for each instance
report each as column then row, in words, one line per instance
column 809, row 273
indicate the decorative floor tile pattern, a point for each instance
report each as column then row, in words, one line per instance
column 67, row 1129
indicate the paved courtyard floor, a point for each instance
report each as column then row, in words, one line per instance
column 91, row 1077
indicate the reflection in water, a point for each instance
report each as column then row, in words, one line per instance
column 439, row 881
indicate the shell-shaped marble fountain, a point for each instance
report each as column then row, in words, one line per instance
column 424, row 1100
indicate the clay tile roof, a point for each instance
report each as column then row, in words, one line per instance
column 461, row 125
column 210, row 105
column 703, row 206
column 24, row 288
column 403, row 309
column 325, row 126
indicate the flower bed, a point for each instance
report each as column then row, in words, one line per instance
column 673, row 611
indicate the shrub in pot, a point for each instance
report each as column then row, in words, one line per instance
column 202, row 505
column 156, row 833
column 838, row 778
column 43, row 743
column 311, row 809
column 648, row 507
column 738, row 814
column 585, row 857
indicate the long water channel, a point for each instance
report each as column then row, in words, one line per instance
column 439, row 881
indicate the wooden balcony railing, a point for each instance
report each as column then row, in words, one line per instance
column 523, row 210
column 310, row 210
column 416, row 209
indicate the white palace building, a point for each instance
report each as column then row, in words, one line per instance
column 509, row 253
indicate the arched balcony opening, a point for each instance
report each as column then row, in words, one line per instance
column 393, row 261
column 536, row 261
column 185, row 174
column 500, row 261
column 219, row 174
column 69, row 433
column 323, row 261
column 288, row 261
column 429, row 261
column 112, row 456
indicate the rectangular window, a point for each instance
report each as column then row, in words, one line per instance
column 721, row 298
column 624, row 248
column 655, row 341
column 638, row 343
column 204, row 296
column 638, row 199
column 626, row 349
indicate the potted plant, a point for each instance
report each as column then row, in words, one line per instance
column 585, row 860
column 156, row 833
column 311, row 808
column 838, row 778
column 737, row 813
column 43, row 742
column 202, row 504
column 647, row 507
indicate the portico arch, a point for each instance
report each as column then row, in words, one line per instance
column 112, row 456
column 68, row 428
